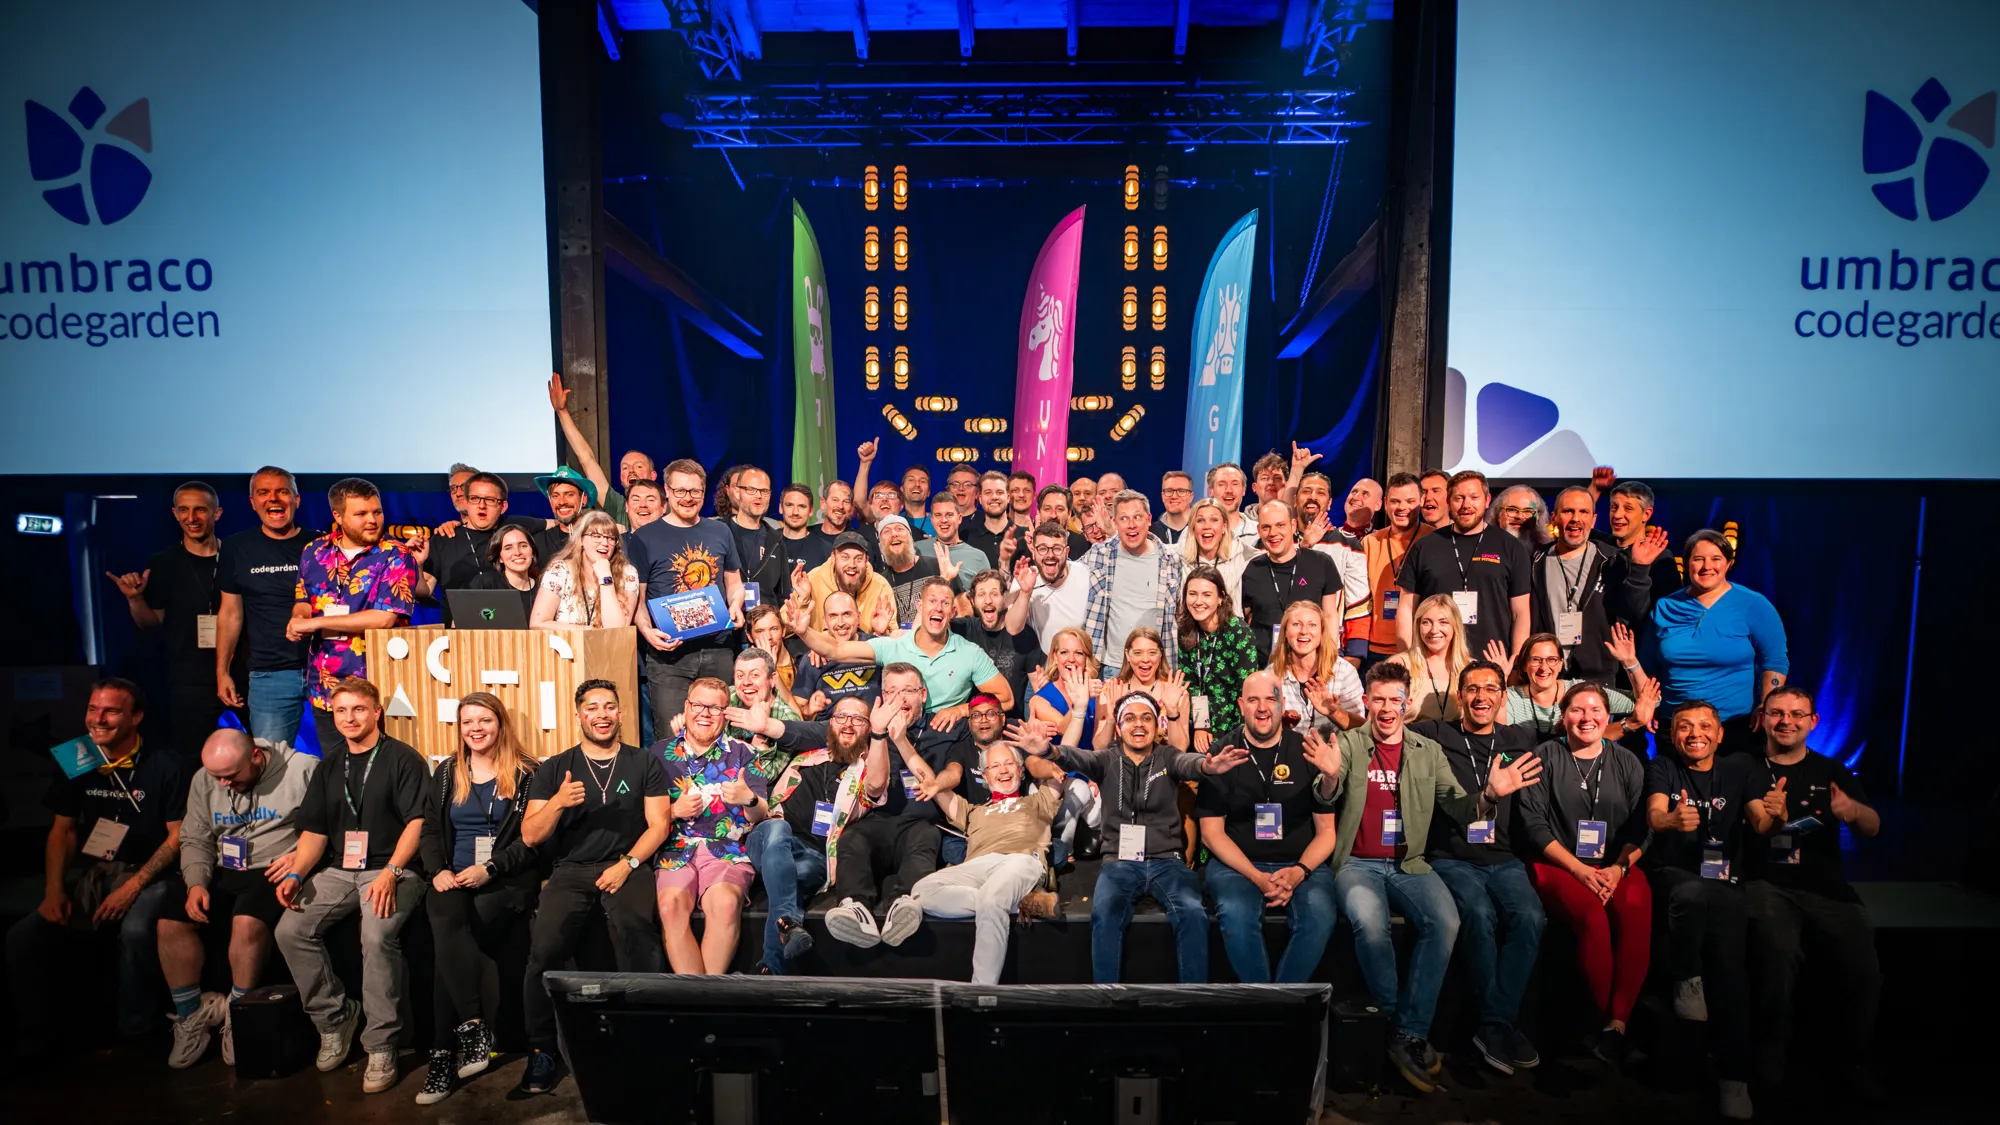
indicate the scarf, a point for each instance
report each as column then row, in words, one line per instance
column 850, row 799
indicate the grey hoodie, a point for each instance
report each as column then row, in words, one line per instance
column 268, row 816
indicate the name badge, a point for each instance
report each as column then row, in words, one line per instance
column 104, row 839
column 482, row 849
column 1569, row 627
column 1198, row 711
column 1713, row 866
column 1392, row 828
column 1132, row 841
column 822, row 817
column 753, row 594
column 204, row 630
column 233, row 852
column 337, row 609
column 1783, row 850
column 1479, row 832
column 909, row 784
column 1590, row 839
column 354, row 851
column 1270, row 821
column 1391, row 598
column 1467, row 602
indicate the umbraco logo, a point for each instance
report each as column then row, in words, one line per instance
column 1953, row 171
column 113, row 180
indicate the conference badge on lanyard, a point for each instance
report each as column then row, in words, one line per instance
column 1270, row 821
column 1590, row 836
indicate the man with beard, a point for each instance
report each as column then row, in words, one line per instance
column 1057, row 591
column 1571, row 595
column 1486, row 572
column 945, row 544
column 1386, row 549
column 999, row 625
column 1082, row 498
column 350, row 581
column 819, row 795
column 1283, row 574
column 1364, row 499
column 1052, row 506
column 452, row 562
column 256, row 574
column 1520, row 512
column 1176, row 497
column 848, row 571
column 177, row 593
column 1268, row 840
column 1695, row 805
column 1317, row 531
column 952, row 667
column 836, row 511
column 570, row 494
column 820, row 683
column 1500, row 918
column 1641, row 559
column 1436, row 484
column 902, row 567
column 993, row 529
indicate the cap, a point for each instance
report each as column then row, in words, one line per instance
column 852, row 539
column 566, row 475
column 884, row 521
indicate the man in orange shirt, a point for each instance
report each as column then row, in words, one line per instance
column 1386, row 548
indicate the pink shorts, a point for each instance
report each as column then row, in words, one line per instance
column 703, row 872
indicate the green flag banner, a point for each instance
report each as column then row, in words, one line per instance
column 813, row 439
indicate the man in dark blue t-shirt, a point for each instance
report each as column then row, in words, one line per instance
column 676, row 553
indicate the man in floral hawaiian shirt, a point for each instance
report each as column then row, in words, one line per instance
column 718, row 797
column 350, row 581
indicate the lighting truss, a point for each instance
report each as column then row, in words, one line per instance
column 794, row 118
column 1333, row 26
column 711, row 38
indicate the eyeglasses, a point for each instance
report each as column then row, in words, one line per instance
column 605, row 536
column 1177, row 492
column 1516, row 510
column 706, row 708
column 985, row 715
column 748, row 491
column 848, row 720
column 684, row 493
column 485, row 499
column 1482, row 689
column 1795, row 716
column 1545, row 660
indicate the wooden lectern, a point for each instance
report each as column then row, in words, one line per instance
column 422, row 674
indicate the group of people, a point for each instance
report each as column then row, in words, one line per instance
column 1434, row 703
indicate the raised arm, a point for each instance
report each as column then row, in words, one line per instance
column 586, row 457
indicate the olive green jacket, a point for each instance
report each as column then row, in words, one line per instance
column 1424, row 783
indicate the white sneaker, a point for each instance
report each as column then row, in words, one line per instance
column 380, row 1073
column 904, row 918
column 1734, row 1100
column 852, row 923
column 334, row 1045
column 191, row 1035
column 1690, row 1002
column 226, row 1033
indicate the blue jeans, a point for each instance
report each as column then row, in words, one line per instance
column 1368, row 889
column 1172, row 885
column 786, row 863
column 33, row 946
column 1502, row 919
column 951, row 850
column 277, row 701
column 1239, row 910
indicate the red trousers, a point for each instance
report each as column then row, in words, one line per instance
column 1614, row 940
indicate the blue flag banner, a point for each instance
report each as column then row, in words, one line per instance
column 1215, row 361
column 77, row 757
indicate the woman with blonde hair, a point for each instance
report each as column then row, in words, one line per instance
column 1067, row 704
column 486, row 879
column 1321, row 692
column 1144, row 668
column 589, row 583
column 1208, row 542
column 1435, row 658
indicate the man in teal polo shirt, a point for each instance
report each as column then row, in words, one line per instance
column 954, row 669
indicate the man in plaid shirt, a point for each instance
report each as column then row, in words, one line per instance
column 1135, row 582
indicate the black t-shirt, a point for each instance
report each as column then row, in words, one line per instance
column 1472, row 759
column 1079, row 545
column 550, row 540
column 672, row 559
column 183, row 587
column 1718, row 794
column 937, row 748
column 816, row 783
column 612, row 816
column 1281, row 776
column 838, row 680
column 1492, row 564
column 974, row 533
column 389, row 793
column 1269, row 587
column 158, row 784
column 456, row 560
column 264, row 572
column 762, row 555
column 812, row 550
column 1808, row 793
column 1012, row 653
column 904, row 585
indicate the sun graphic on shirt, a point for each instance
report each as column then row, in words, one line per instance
column 695, row 567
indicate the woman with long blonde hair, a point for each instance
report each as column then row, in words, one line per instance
column 588, row 583
column 485, row 879
column 1435, row 657
column 1321, row 691
column 1209, row 542
column 1067, row 704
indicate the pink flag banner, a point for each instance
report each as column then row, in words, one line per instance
column 1043, row 365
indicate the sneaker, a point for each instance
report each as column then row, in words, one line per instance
column 1733, row 1100
column 1491, row 1043
column 227, row 1033
column 904, row 918
column 1406, row 1054
column 1690, row 1002
column 1521, row 1051
column 334, row 1045
column 545, row 1071
column 380, row 1073
column 1610, row 1046
column 191, row 1035
column 793, row 940
column 852, row 923
column 475, row 1048
column 1432, row 1061
column 440, row 1080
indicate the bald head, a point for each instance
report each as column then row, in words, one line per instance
column 232, row 759
column 1261, row 708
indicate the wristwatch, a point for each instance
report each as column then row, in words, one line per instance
column 490, row 872
column 398, row 872
column 631, row 861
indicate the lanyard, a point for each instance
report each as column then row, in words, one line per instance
column 127, row 790
column 1479, row 777
column 1465, row 582
column 1126, row 808
column 1263, row 774
column 1594, row 784
column 346, row 770
column 241, row 818
column 1396, row 790
column 1570, row 584
column 1278, row 591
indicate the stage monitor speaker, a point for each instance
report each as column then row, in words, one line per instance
column 1360, row 1041
column 272, row 1035
column 1155, row 1054
column 740, row 1050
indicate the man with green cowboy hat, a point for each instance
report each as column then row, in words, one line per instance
column 570, row 494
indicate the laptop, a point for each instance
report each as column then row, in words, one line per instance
column 486, row 609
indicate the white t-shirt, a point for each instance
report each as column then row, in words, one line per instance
column 1135, row 595
column 1346, row 688
column 1051, row 608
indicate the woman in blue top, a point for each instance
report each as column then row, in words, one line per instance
column 1716, row 642
column 1070, row 656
